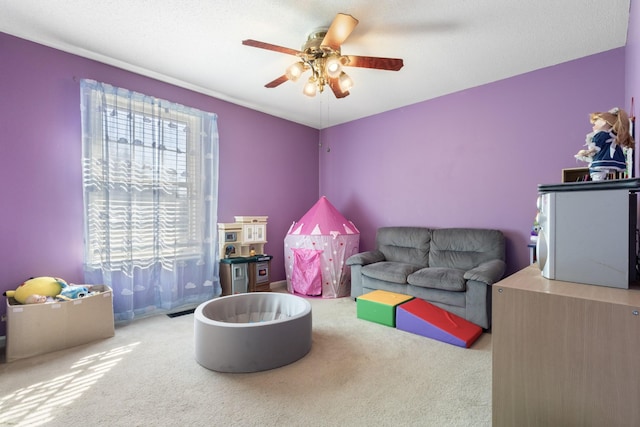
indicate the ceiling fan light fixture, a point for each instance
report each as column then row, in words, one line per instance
column 333, row 66
column 294, row 71
column 310, row 87
column 345, row 82
column 321, row 54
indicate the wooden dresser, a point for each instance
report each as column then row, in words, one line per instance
column 564, row 354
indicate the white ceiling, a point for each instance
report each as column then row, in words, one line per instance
column 447, row 45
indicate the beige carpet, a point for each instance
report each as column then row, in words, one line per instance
column 357, row 373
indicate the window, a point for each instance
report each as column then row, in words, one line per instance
column 149, row 174
column 152, row 187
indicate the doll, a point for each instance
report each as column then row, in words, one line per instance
column 605, row 144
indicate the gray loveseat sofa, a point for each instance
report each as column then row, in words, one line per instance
column 452, row 268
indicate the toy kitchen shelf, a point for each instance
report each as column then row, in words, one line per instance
column 242, row 238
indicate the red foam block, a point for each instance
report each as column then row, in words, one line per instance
column 423, row 318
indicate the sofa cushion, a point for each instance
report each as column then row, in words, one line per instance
column 395, row 272
column 409, row 245
column 465, row 248
column 448, row 279
column 364, row 258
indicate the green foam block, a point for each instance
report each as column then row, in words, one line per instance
column 380, row 306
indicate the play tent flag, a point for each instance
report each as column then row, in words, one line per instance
column 315, row 250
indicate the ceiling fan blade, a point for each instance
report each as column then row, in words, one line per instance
column 392, row 64
column 269, row 46
column 335, row 87
column 277, row 82
column 339, row 30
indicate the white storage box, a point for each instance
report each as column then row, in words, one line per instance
column 34, row 329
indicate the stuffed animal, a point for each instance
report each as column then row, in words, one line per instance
column 35, row 289
column 35, row 299
column 70, row 292
column 535, row 230
column 586, row 154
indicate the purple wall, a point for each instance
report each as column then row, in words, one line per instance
column 473, row 158
column 268, row 166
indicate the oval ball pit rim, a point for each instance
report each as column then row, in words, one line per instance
column 252, row 332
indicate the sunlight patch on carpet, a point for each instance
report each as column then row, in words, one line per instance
column 34, row 405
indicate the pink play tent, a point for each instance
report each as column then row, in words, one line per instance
column 315, row 251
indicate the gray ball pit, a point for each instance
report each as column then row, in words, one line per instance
column 252, row 332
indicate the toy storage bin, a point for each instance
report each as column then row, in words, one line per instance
column 34, row 329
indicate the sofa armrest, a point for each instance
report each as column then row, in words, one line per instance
column 364, row 258
column 488, row 272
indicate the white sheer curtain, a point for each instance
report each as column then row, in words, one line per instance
column 150, row 179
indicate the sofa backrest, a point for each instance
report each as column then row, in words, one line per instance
column 405, row 244
column 465, row 248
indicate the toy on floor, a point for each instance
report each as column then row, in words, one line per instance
column 37, row 289
column 423, row 318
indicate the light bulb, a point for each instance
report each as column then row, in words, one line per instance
column 345, row 82
column 294, row 71
column 310, row 87
column 333, row 66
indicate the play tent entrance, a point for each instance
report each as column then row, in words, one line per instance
column 315, row 251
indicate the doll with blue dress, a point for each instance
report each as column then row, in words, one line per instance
column 607, row 144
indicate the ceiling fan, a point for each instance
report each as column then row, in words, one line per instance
column 321, row 54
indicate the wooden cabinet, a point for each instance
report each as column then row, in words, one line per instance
column 564, row 354
column 575, row 174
